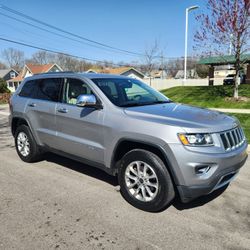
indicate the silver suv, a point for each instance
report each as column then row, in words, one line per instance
column 157, row 148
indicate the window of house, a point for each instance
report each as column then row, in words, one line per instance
column 10, row 84
column 12, row 75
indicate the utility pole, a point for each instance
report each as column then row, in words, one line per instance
column 186, row 40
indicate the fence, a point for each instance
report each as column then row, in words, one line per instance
column 160, row 84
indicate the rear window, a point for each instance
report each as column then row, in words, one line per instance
column 43, row 89
column 29, row 89
column 49, row 89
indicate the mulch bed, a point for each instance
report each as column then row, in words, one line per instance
column 4, row 97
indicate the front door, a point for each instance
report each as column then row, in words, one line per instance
column 79, row 129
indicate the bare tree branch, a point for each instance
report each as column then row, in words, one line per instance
column 14, row 58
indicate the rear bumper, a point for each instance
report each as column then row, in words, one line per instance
column 222, row 178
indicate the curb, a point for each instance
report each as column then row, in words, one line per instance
column 236, row 111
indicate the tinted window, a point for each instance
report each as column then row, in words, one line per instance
column 73, row 88
column 29, row 89
column 49, row 89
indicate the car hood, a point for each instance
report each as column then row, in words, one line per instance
column 185, row 116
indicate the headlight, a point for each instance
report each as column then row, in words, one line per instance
column 196, row 139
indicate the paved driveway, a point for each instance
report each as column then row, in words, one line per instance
column 61, row 204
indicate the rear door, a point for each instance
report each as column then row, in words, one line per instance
column 79, row 129
column 41, row 109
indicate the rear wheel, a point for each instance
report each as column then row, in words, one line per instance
column 26, row 146
column 144, row 180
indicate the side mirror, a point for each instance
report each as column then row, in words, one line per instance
column 86, row 101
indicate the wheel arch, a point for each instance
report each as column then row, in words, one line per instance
column 17, row 121
column 125, row 145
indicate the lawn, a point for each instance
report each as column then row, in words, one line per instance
column 209, row 96
column 245, row 123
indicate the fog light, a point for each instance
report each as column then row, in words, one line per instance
column 200, row 170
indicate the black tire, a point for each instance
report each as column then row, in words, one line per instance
column 34, row 152
column 165, row 193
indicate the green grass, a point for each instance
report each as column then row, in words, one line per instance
column 245, row 123
column 209, row 96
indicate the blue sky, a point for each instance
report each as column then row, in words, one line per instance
column 131, row 25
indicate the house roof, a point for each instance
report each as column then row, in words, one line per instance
column 34, row 69
column 115, row 71
column 4, row 72
column 223, row 60
column 37, row 68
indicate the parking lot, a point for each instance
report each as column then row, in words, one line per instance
column 61, row 204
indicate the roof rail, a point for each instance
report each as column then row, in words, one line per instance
column 55, row 72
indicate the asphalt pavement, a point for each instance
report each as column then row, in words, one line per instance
column 61, row 204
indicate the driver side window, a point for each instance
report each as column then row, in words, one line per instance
column 73, row 88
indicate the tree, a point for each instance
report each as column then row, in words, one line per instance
column 227, row 22
column 42, row 57
column 176, row 64
column 2, row 66
column 14, row 58
column 151, row 55
column 202, row 70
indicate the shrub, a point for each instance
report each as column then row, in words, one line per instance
column 3, row 86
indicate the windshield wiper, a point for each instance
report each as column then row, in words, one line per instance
column 134, row 104
column 159, row 102
column 131, row 104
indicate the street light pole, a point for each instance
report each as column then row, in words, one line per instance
column 186, row 39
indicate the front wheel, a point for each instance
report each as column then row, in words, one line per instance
column 145, row 181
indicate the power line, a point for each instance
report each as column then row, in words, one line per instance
column 57, row 34
column 58, row 52
column 67, row 32
column 97, row 44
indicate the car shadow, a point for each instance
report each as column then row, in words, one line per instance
column 112, row 180
column 198, row 202
column 81, row 168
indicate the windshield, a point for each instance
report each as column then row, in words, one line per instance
column 129, row 92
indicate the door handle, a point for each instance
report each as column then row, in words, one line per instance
column 32, row 105
column 62, row 110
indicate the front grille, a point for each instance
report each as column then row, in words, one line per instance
column 233, row 139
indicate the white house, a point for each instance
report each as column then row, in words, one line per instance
column 8, row 74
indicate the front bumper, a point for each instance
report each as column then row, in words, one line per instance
column 188, row 193
column 223, row 167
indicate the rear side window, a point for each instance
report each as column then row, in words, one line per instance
column 43, row 89
column 49, row 89
column 29, row 89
